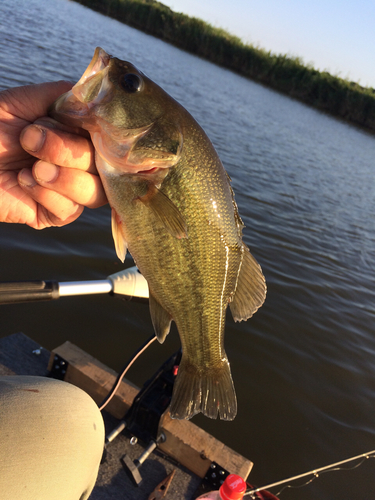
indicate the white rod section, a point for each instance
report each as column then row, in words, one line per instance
column 68, row 288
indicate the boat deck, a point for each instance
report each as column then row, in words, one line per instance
column 188, row 450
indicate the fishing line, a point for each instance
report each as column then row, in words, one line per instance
column 122, row 373
column 314, row 473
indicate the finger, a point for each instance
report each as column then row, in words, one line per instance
column 32, row 101
column 47, row 218
column 49, row 122
column 79, row 186
column 52, row 209
column 54, row 145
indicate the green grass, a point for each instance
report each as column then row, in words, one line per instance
column 337, row 96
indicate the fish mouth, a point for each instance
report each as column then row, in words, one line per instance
column 95, row 72
column 99, row 61
column 92, row 87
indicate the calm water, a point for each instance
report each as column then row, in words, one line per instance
column 304, row 366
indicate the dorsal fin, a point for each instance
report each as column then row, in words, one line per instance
column 251, row 288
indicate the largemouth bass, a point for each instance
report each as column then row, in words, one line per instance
column 174, row 210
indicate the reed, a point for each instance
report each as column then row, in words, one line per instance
column 334, row 95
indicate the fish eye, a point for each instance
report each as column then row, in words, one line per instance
column 131, row 83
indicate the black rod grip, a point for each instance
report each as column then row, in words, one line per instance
column 14, row 292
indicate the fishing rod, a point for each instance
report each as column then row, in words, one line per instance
column 128, row 283
column 314, row 473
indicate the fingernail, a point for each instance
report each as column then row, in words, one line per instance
column 46, row 172
column 32, row 138
column 25, row 177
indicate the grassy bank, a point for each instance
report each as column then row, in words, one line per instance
column 347, row 100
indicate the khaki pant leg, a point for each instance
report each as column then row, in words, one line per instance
column 51, row 440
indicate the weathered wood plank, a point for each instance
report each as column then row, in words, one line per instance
column 190, row 445
column 95, row 378
column 196, row 449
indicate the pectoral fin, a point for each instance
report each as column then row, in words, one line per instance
column 251, row 288
column 120, row 244
column 161, row 319
column 166, row 211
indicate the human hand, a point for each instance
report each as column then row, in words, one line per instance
column 54, row 190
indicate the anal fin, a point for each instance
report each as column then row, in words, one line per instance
column 121, row 245
column 251, row 288
column 161, row 319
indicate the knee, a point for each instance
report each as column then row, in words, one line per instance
column 52, row 430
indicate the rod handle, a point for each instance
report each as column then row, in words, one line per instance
column 14, row 292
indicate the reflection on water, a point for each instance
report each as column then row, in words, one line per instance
column 304, row 366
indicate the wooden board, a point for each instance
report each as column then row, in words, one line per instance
column 186, row 442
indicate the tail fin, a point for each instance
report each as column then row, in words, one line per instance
column 208, row 390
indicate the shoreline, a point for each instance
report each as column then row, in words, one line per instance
column 338, row 97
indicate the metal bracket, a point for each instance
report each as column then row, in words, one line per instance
column 143, row 417
column 59, row 367
column 131, row 467
column 214, row 478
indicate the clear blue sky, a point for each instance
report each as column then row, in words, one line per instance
column 333, row 35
